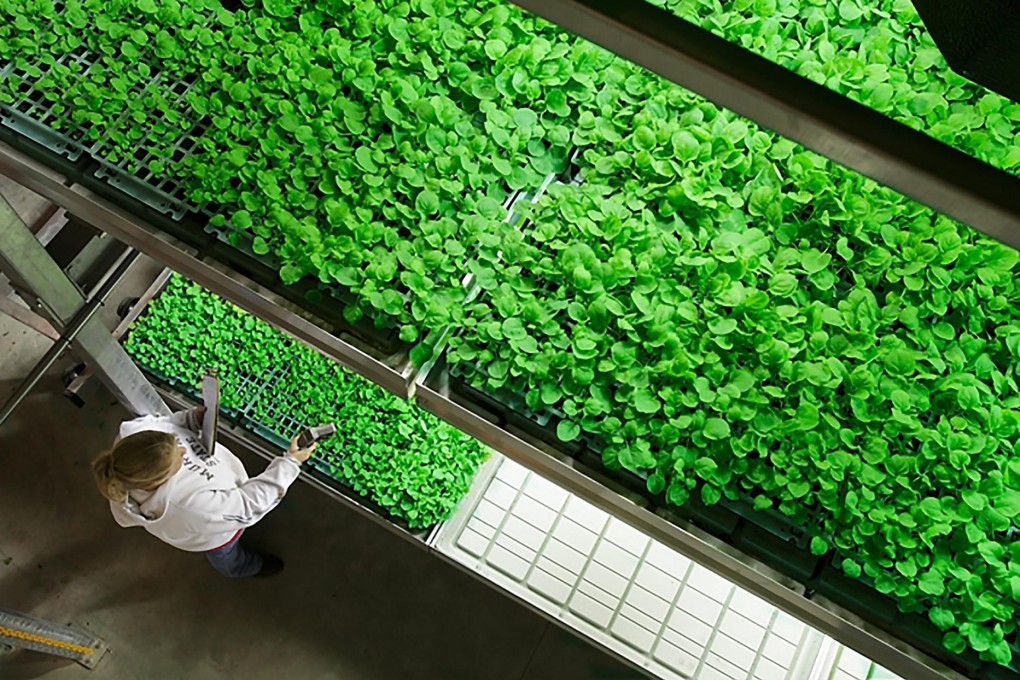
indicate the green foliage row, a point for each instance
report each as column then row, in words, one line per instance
column 877, row 53
column 368, row 145
column 387, row 449
column 712, row 306
column 735, row 317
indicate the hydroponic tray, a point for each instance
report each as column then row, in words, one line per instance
column 30, row 125
column 268, row 437
column 769, row 537
column 262, row 399
column 191, row 230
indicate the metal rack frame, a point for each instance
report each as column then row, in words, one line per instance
column 835, row 126
column 831, row 124
column 430, row 390
column 49, row 289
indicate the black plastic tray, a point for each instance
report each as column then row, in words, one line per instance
column 191, row 229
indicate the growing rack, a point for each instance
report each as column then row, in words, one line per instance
column 231, row 269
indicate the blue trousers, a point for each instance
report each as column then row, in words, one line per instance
column 234, row 560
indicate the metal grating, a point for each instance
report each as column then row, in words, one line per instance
column 619, row 587
column 849, row 665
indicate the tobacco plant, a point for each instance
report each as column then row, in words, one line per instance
column 387, row 449
column 708, row 305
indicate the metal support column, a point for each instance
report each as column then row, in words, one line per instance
column 26, row 261
column 25, row 632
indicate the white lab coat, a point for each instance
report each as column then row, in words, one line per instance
column 210, row 499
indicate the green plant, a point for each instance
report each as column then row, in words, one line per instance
column 713, row 307
column 386, row 449
column 877, row 53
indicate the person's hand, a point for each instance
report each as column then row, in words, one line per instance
column 299, row 454
column 195, row 418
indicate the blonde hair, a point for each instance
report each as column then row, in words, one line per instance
column 138, row 461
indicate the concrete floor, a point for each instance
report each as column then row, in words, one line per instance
column 354, row 602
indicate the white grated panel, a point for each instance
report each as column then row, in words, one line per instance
column 640, row 618
column 596, row 593
column 510, row 564
column 678, row 660
column 686, row 624
column 607, row 580
column 574, row 535
column 747, row 632
column 590, row 609
column 657, row 581
column 636, row 636
column 586, row 514
column 482, row 528
column 565, row 556
column 489, row 513
column 473, row 542
column 616, row 586
column 534, row 513
column 704, row 581
column 779, row 651
column 647, row 602
column 625, row 536
column 548, row 585
column 766, row 670
column 616, row 558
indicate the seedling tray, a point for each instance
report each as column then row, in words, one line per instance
column 30, row 125
column 318, row 467
column 35, row 117
column 38, row 132
column 767, row 535
column 273, row 423
column 859, row 596
column 500, row 399
column 135, row 176
column 326, row 302
column 191, row 229
column 512, row 411
column 322, row 468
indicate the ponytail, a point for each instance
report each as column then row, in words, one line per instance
column 139, row 461
column 106, row 478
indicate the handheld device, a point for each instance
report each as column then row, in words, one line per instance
column 211, row 401
column 314, row 434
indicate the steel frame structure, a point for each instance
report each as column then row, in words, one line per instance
column 430, row 390
column 26, row 263
column 909, row 161
column 849, row 133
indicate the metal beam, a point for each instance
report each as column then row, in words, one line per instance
column 91, row 209
column 29, row 318
column 27, row 261
column 431, row 394
column 74, row 327
column 780, row 591
column 849, row 133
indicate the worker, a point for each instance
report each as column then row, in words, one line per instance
column 159, row 477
